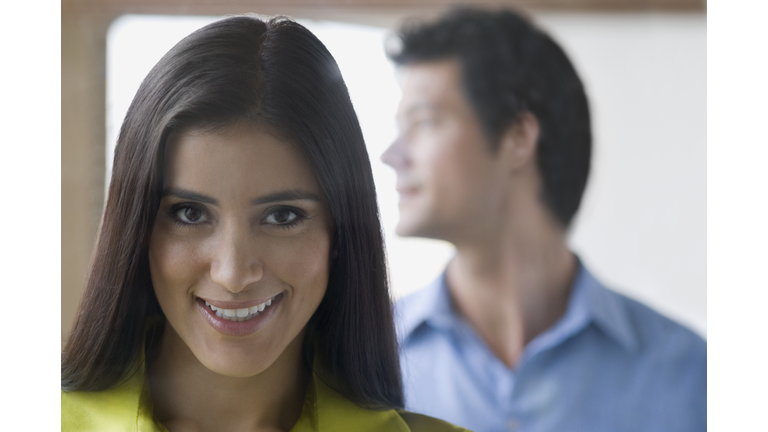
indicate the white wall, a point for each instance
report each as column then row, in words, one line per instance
column 642, row 227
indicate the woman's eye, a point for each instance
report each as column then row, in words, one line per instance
column 282, row 216
column 190, row 215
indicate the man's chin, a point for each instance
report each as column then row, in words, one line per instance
column 413, row 228
column 407, row 228
column 418, row 220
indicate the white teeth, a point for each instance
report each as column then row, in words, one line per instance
column 239, row 315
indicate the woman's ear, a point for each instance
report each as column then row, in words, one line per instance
column 518, row 143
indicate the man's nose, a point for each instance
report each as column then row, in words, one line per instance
column 236, row 263
column 394, row 155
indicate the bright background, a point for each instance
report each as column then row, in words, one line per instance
column 642, row 225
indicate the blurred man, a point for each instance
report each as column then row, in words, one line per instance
column 493, row 155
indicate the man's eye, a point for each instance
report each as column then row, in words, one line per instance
column 424, row 122
column 190, row 215
column 282, row 216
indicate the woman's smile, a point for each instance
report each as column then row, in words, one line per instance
column 239, row 321
column 238, row 312
column 239, row 255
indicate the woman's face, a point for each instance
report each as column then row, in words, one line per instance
column 239, row 254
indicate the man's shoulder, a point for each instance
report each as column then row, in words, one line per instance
column 666, row 365
column 649, row 323
column 658, row 338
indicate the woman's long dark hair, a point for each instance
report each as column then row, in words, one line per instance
column 278, row 74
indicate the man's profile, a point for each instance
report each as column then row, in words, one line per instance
column 493, row 156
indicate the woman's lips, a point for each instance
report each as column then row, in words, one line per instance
column 238, row 309
column 239, row 319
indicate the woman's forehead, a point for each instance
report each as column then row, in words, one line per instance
column 242, row 156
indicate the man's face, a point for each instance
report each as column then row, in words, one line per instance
column 447, row 175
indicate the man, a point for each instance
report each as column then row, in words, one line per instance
column 493, row 155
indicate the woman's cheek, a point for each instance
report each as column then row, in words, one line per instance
column 174, row 261
column 302, row 260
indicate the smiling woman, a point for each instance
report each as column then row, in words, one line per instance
column 239, row 280
column 241, row 243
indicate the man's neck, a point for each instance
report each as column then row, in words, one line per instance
column 512, row 287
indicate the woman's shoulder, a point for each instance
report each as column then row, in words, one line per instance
column 327, row 410
column 422, row 423
column 91, row 411
column 124, row 407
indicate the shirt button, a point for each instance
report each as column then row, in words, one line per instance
column 513, row 424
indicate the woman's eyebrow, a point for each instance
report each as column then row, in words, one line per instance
column 188, row 195
column 288, row 195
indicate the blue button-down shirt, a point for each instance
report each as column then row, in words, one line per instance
column 609, row 364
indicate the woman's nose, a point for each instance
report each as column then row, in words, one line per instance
column 236, row 264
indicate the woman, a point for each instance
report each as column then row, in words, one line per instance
column 239, row 280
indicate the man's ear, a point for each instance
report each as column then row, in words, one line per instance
column 519, row 141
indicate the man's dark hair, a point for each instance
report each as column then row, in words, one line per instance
column 279, row 75
column 510, row 67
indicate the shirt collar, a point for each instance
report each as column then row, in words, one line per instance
column 589, row 302
column 431, row 305
column 607, row 310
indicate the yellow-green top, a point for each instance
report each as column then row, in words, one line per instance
column 128, row 407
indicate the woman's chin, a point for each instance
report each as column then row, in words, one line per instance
column 236, row 370
column 238, row 363
column 245, row 361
